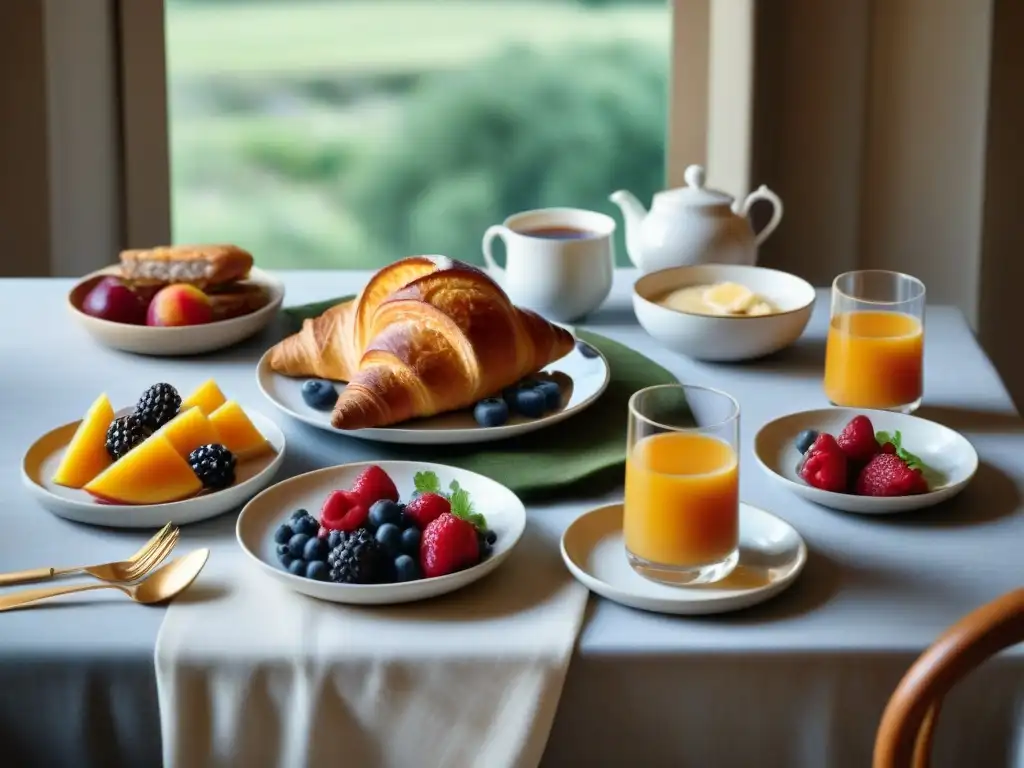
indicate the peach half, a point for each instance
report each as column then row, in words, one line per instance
column 179, row 304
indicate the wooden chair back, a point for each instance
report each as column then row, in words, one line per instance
column 907, row 728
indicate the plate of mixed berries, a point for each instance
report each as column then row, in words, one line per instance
column 375, row 534
column 870, row 462
column 166, row 459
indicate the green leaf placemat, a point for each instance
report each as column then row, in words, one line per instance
column 588, row 449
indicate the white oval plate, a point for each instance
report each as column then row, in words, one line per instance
column 948, row 453
column 505, row 514
column 772, row 554
column 41, row 460
column 589, row 378
column 179, row 340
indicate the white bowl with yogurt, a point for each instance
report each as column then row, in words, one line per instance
column 723, row 312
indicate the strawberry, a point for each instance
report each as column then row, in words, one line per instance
column 426, row 508
column 449, row 544
column 824, row 465
column 857, row 440
column 889, row 475
column 343, row 511
column 373, row 484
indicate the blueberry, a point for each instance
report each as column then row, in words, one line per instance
column 307, row 525
column 805, row 439
column 383, row 512
column 490, row 537
column 315, row 549
column 509, row 396
column 284, row 555
column 283, row 533
column 389, row 536
column 333, row 539
column 320, row 395
column 492, row 412
column 552, row 393
column 411, row 541
column 297, row 567
column 530, row 403
column 585, row 349
column 299, row 513
column 406, row 569
column 297, row 543
column 316, row 570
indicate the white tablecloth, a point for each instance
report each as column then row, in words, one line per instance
column 797, row 683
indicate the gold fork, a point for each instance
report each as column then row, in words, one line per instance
column 135, row 567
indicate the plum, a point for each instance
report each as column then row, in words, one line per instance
column 110, row 299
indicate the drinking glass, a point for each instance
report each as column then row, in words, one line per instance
column 682, row 506
column 874, row 357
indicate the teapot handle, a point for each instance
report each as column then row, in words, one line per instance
column 763, row 193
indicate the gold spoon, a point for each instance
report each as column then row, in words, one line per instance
column 160, row 586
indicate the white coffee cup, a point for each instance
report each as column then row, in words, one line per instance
column 558, row 261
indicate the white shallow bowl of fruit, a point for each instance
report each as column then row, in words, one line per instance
column 866, row 461
column 176, row 319
column 166, row 459
column 745, row 313
column 384, row 533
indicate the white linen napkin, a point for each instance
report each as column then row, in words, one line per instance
column 251, row 674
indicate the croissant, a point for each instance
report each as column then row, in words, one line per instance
column 425, row 336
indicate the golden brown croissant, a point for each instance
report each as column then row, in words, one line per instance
column 425, row 336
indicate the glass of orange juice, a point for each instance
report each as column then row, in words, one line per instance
column 874, row 357
column 681, row 511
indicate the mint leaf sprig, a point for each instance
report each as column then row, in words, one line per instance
column 912, row 461
column 458, row 497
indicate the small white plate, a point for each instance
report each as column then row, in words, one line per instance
column 582, row 379
column 178, row 340
column 947, row 453
column 772, row 554
column 505, row 515
column 41, row 460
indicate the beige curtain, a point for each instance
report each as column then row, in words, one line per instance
column 892, row 129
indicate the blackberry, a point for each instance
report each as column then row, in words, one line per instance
column 124, row 434
column 356, row 560
column 214, row 465
column 158, row 405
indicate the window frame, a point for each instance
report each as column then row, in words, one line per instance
column 709, row 45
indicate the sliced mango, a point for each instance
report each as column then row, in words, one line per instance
column 237, row 433
column 207, row 397
column 188, row 430
column 86, row 455
column 151, row 473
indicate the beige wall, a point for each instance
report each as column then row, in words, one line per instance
column 891, row 129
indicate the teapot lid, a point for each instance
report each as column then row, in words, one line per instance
column 695, row 193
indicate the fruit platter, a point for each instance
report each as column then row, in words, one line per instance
column 390, row 532
column 167, row 458
column 866, row 461
column 176, row 300
column 433, row 352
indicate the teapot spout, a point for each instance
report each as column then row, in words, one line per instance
column 633, row 214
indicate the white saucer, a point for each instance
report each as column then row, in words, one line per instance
column 948, row 453
column 178, row 340
column 505, row 515
column 772, row 554
column 41, row 460
column 582, row 379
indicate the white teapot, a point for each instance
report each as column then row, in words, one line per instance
column 693, row 225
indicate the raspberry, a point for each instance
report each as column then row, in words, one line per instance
column 857, row 440
column 888, row 475
column 373, row 484
column 426, row 508
column 824, row 465
column 449, row 544
column 343, row 511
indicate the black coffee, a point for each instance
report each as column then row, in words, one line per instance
column 557, row 233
